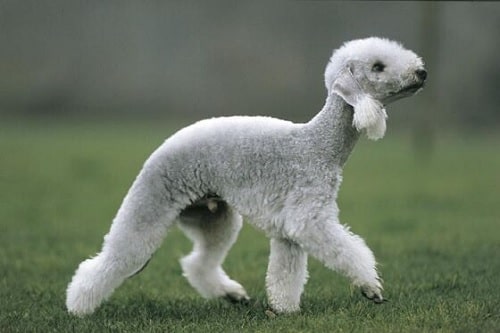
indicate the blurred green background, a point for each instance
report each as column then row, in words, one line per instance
column 197, row 59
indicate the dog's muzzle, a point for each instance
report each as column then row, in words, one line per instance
column 411, row 89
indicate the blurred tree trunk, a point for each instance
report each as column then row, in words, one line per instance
column 424, row 126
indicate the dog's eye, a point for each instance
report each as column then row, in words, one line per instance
column 378, row 67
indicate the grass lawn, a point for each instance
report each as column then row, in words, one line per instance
column 434, row 228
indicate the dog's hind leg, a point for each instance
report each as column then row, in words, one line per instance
column 286, row 275
column 137, row 231
column 213, row 227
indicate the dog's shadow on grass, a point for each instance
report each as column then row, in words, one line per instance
column 186, row 309
column 194, row 310
column 192, row 314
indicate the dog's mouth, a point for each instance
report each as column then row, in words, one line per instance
column 409, row 90
column 412, row 89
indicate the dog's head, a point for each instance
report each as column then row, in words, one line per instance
column 371, row 73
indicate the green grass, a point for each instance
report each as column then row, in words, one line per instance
column 434, row 228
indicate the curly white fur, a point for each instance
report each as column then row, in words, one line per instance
column 283, row 177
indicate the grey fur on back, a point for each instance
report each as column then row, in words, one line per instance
column 255, row 163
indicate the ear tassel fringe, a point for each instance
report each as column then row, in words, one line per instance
column 370, row 116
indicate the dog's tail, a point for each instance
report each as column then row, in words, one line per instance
column 137, row 231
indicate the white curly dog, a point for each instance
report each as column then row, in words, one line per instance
column 281, row 176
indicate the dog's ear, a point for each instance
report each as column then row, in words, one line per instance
column 369, row 113
column 346, row 86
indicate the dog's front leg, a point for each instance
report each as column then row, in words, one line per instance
column 339, row 249
column 286, row 275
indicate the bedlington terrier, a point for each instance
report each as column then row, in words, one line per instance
column 281, row 176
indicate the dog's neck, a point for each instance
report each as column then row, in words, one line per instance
column 333, row 131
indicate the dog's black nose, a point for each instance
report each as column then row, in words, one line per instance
column 421, row 74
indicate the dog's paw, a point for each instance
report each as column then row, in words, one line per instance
column 235, row 293
column 237, row 299
column 373, row 293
